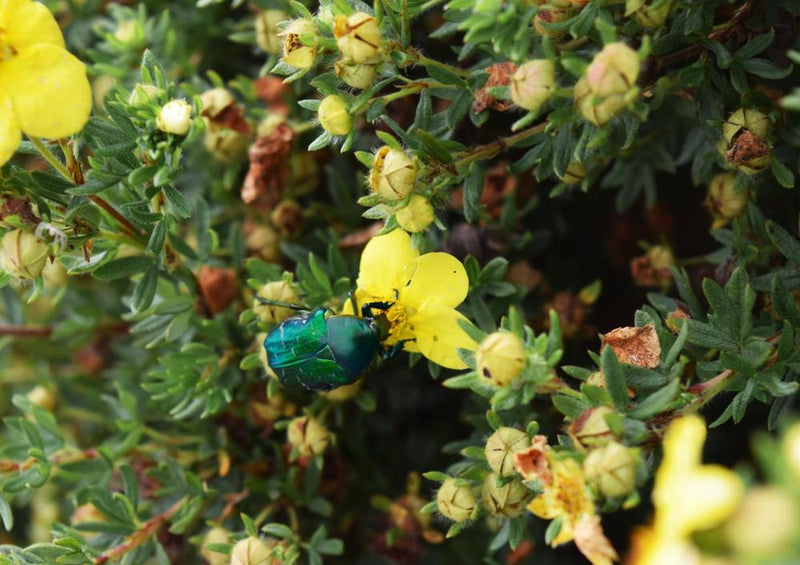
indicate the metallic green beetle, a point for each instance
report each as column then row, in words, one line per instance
column 319, row 350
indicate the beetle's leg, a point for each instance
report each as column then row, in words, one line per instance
column 366, row 309
column 351, row 296
column 394, row 350
column 282, row 304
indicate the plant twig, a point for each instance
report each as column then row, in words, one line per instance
column 26, row 331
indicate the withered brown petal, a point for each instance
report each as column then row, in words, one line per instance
column 635, row 346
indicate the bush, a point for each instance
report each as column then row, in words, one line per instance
column 439, row 206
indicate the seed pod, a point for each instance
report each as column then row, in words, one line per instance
column 217, row 534
column 280, row 291
column 175, row 117
column 611, row 469
column 500, row 449
column 251, row 551
column 646, row 14
column 724, row 201
column 507, row 500
column 308, row 435
column 334, row 116
column 358, row 38
column 417, row 215
column 267, row 32
column 532, row 84
column 745, row 141
column 23, row 254
column 393, row 174
column 500, row 358
column 300, row 44
column 455, row 502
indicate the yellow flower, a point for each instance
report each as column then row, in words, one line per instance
column 44, row 91
column 687, row 496
column 423, row 291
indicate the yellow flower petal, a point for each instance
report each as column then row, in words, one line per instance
column 683, row 449
column 704, row 498
column 592, row 542
column 434, row 277
column 28, row 23
column 49, row 89
column 10, row 135
column 439, row 335
column 381, row 262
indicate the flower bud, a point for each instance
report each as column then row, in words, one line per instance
column 217, row 534
column 500, row 357
column 358, row 38
column 129, row 32
column 280, row 291
column 611, row 469
column 455, row 502
column 591, row 429
column 646, row 14
column 507, row 500
column 724, row 201
column 225, row 145
column 417, row 215
column 54, row 274
column 343, row 393
column 334, row 116
column 356, row 75
column 175, row 117
column 288, row 217
column 215, row 101
column 262, row 240
column 300, row 44
column 790, row 446
column 608, row 83
column 267, row 32
column 549, row 16
column 393, row 174
column 574, row 174
column 653, row 268
column 765, row 524
column 308, row 435
column 142, row 94
column 42, row 397
column 251, row 551
column 744, row 142
column 23, row 254
column 500, row 449
column 533, row 83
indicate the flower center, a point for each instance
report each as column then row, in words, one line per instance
column 6, row 50
column 399, row 329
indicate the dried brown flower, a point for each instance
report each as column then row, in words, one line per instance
column 269, row 167
column 635, row 346
column 499, row 75
column 218, row 287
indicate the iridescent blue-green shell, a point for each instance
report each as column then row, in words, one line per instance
column 316, row 352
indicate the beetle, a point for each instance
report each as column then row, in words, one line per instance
column 321, row 350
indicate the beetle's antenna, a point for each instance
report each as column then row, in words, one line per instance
column 282, row 304
column 351, row 296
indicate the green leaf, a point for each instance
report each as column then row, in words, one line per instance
column 331, row 547
column 553, row 529
column 473, row 190
column 176, row 200
column 706, row 335
column 122, row 268
column 782, row 173
column 783, row 302
column 615, row 377
column 786, row 244
column 434, row 147
column 6, row 514
column 755, row 45
column 765, row 68
column 145, row 290
column 655, row 403
column 570, row 406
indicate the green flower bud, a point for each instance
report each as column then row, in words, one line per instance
column 393, row 174
column 23, row 254
column 608, row 84
column 455, row 502
column 280, row 291
column 251, row 551
column 334, row 116
column 724, row 201
column 43, row 397
column 142, row 94
column 574, row 174
column 611, row 469
column 308, row 435
column 356, row 75
column 358, row 38
column 267, row 32
column 175, row 117
column 500, row 449
column 533, row 83
column 300, row 44
column 745, row 141
column 649, row 13
column 500, row 357
column 417, row 215
column 591, row 429
column 507, row 500
column 217, row 534
column 129, row 32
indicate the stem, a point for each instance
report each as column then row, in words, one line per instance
column 26, row 331
column 489, row 150
column 51, row 158
column 142, row 535
column 415, row 56
column 707, row 390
